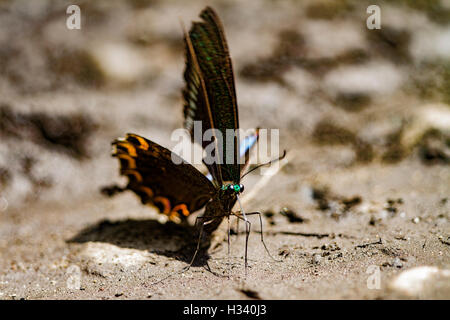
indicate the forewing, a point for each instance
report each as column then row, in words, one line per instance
column 210, row 94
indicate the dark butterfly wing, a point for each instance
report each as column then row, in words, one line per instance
column 175, row 189
column 210, row 94
column 196, row 107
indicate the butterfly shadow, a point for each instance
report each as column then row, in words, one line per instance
column 167, row 239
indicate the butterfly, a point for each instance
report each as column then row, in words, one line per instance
column 160, row 177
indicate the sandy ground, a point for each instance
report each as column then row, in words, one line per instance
column 358, row 211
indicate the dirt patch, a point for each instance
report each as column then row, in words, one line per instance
column 64, row 133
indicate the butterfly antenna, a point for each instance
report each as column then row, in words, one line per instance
column 265, row 164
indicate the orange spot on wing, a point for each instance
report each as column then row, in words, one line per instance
column 146, row 190
column 133, row 173
column 183, row 208
column 165, row 202
column 131, row 161
column 130, row 149
column 175, row 217
column 142, row 143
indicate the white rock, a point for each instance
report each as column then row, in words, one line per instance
column 432, row 116
column 417, row 281
column 118, row 61
column 105, row 259
column 322, row 42
column 375, row 77
column 431, row 43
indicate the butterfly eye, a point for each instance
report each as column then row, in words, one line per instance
column 230, row 187
column 241, row 187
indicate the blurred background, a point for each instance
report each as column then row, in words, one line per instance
column 364, row 114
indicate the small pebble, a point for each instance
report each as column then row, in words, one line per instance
column 317, row 258
column 416, row 220
column 397, row 263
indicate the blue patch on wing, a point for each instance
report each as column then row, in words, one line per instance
column 245, row 145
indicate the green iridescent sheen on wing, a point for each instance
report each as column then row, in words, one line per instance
column 211, row 51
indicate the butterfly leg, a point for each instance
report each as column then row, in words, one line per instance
column 262, row 233
column 248, row 225
column 197, row 249
column 247, row 234
column 229, row 242
column 228, row 221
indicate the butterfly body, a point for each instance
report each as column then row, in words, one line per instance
column 215, row 211
column 221, row 205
